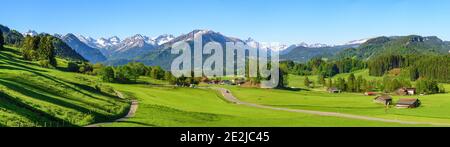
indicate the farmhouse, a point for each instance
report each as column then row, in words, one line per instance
column 408, row 103
column 384, row 99
column 333, row 90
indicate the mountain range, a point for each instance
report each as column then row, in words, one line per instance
column 156, row 50
column 114, row 48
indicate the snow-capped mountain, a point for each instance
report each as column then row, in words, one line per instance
column 113, row 45
column 89, row 53
column 163, row 39
column 134, row 42
column 30, row 32
column 87, row 40
column 141, row 46
column 274, row 46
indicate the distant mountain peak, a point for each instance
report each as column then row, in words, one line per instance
column 88, row 52
column 163, row 39
column 30, row 33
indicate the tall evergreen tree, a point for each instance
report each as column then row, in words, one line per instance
column 321, row 79
column 330, row 83
column 351, row 83
column 307, row 82
column 358, row 84
column 2, row 40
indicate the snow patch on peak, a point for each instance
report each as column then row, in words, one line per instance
column 163, row 39
column 30, row 33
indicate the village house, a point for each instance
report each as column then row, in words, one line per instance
column 333, row 90
column 384, row 99
column 408, row 103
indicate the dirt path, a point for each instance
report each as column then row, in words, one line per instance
column 131, row 112
column 229, row 97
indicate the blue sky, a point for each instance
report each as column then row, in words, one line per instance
column 285, row 21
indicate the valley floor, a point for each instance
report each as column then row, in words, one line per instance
column 165, row 106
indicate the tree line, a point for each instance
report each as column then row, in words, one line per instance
column 39, row 48
column 387, row 84
column 319, row 66
column 431, row 67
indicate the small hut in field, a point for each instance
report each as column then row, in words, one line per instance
column 384, row 99
column 408, row 103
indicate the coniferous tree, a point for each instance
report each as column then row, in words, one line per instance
column 351, row 83
column 321, row 79
column 2, row 40
column 46, row 50
column 341, row 84
column 330, row 83
column 307, row 82
column 358, row 84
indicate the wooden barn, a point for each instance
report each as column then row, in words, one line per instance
column 408, row 103
column 384, row 99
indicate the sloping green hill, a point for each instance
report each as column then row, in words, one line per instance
column 35, row 96
column 412, row 44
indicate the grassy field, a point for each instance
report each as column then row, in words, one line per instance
column 35, row 96
column 434, row 108
column 187, row 107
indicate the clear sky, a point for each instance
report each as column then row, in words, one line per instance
column 286, row 21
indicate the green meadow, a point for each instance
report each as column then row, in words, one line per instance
column 39, row 97
column 434, row 108
column 165, row 106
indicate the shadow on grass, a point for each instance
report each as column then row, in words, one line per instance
column 138, row 123
column 23, row 67
column 329, row 107
column 25, row 110
column 49, row 99
column 293, row 89
column 92, row 90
